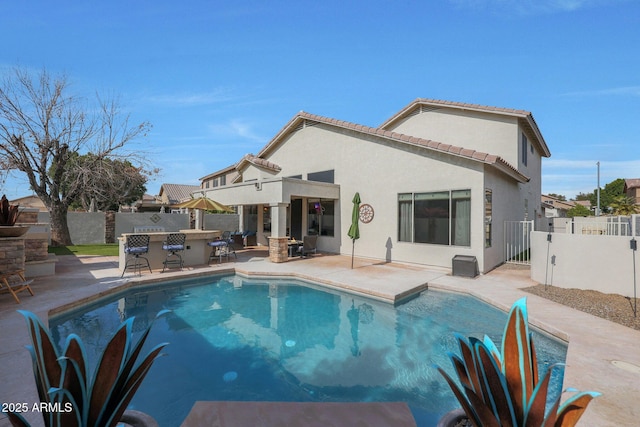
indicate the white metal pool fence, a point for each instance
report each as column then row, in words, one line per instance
column 517, row 242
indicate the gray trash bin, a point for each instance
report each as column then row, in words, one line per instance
column 464, row 265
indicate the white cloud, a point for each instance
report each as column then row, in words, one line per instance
column 192, row 99
column 615, row 91
column 236, row 128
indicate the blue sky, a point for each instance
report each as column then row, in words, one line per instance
column 218, row 79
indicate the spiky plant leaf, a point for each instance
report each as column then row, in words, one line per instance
column 108, row 371
column 503, row 388
column 44, row 355
column 99, row 403
column 119, row 405
column 571, row 410
column 535, row 410
column 516, row 355
column 17, row 420
column 75, row 375
column 479, row 414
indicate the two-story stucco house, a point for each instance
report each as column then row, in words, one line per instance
column 441, row 178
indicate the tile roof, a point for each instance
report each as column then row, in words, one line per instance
column 526, row 117
column 632, row 183
column 490, row 159
column 176, row 193
column 260, row 162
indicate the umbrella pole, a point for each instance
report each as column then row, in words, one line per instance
column 353, row 246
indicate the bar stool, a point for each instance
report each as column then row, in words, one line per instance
column 135, row 246
column 174, row 245
column 219, row 248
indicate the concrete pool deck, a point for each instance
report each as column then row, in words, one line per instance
column 602, row 356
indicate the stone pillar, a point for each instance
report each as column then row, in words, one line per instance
column 278, row 249
column 12, row 254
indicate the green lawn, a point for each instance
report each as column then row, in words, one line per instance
column 110, row 249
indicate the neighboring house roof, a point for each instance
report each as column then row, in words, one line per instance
column 631, row 183
column 299, row 121
column 176, row 193
column 557, row 203
column 31, row 201
column 219, row 172
column 585, row 203
column 525, row 117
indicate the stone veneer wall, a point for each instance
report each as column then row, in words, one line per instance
column 12, row 254
column 36, row 249
column 110, row 227
column 278, row 249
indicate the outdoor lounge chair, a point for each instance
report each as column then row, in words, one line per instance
column 174, row 245
column 308, row 246
column 13, row 286
column 135, row 246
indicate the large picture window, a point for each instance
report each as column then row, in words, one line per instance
column 441, row 218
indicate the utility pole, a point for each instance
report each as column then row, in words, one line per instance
column 598, row 191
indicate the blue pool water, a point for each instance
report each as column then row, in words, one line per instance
column 233, row 338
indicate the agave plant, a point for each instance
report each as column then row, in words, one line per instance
column 65, row 387
column 8, row 213
column 503, row 388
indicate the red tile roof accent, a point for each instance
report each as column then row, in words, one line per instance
column 250, row 158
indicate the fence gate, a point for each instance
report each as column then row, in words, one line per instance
column 517, row 242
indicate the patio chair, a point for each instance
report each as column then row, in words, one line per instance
column 135, row 246
column 222, row 247
column 15, row 286
column 174, row 245
column 308, row 246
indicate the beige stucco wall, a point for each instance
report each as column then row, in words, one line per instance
column 379, row 170
column 473, row 130
column 600, row 263
column 488, row 133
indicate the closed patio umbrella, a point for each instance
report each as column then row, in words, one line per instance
column 354, row 230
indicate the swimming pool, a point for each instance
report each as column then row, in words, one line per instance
column 233, row 338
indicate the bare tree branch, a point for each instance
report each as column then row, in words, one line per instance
column 43, row 126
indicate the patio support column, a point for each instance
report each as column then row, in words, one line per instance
column 278, row 249
column 279, row 219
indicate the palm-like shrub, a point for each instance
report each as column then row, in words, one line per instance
column 503, row 388
column 64, row 383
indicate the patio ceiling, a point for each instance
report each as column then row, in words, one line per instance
column 271, row 191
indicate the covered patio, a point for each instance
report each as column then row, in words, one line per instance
column 278, row 209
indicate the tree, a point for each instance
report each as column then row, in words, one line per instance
column 578, row 210
column 623, row 205
column 557, row 196
column 105, row 184
column 584, row 196
column 607, row 194
column 43, row 126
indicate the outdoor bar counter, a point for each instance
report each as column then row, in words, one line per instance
column 196, row 251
